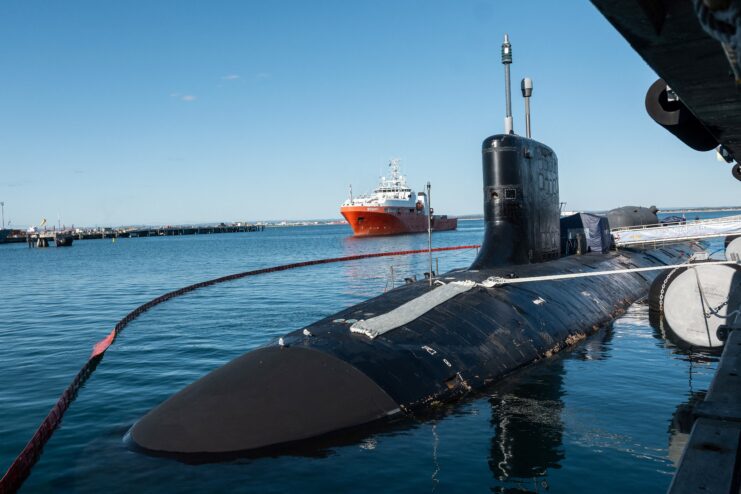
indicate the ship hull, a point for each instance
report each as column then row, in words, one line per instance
column 374, row 221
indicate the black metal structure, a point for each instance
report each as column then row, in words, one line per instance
column 694, row 53
column 521, row 207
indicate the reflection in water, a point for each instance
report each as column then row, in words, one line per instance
column 682, row 419
column 526, row 415
column 594, row 348
column 681, row 425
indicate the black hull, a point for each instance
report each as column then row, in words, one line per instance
column 336, row 379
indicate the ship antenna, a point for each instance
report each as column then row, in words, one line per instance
column 429, row 227
column 507, row 61
column 527, row 90
column 394, row 165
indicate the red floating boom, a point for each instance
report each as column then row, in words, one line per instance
column 21, row 466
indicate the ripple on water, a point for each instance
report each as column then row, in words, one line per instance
column 596, row 417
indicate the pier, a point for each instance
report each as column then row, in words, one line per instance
column 170, row 231
column 676, row 232
column 42, row 239
column 711, row 461
column 65, row 238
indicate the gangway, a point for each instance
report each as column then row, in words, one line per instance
column 677, row 232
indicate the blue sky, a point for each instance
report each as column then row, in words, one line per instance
column 116, row 113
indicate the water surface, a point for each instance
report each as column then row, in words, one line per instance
column 601, row 416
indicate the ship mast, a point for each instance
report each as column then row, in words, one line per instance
column 394, row 166
column 507, row 61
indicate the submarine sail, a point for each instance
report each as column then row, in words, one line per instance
column 416, row 345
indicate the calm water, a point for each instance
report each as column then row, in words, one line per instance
column 602, row 416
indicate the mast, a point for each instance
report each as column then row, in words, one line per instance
column 527, row 91
column 507, row 61
column 429, row 229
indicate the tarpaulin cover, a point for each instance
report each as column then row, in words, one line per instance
column 595, row 228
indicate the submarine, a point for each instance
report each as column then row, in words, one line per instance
column 424, row 343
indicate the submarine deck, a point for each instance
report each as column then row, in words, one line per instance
column 481, row 325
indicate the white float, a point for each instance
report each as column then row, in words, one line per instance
column 734, row 249
column 700, row 299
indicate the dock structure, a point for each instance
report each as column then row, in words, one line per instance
column 42, row 239
column 66, row 237
column 711, row 461
column 179, row 230
column 676, row 232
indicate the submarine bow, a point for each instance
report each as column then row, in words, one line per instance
column 270, row 396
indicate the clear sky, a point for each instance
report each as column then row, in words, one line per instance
column 142, row 112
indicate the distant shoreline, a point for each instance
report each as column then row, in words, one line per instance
column 336, row 221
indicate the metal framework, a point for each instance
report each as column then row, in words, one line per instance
column 691, row 230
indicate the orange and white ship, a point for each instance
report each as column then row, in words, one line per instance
column 392, row 209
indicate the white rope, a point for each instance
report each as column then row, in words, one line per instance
column 498, row 281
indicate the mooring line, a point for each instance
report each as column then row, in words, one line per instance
column 20, row 469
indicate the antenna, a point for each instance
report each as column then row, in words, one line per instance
column 429, row 227
column 506, row 61
column 527, row 90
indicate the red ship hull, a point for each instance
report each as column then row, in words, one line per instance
column 371, row 221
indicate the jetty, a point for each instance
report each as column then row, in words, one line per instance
column 167, row 231
column 42, row 239
column 711, row 461
column 65, row 237
column 642, row 235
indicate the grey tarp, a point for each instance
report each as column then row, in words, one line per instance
column 595, row 228
column 411, row 310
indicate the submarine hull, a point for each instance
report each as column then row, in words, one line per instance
column 417, row 345
column 327, row 377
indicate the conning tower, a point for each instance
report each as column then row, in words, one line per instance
column 521, row 203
